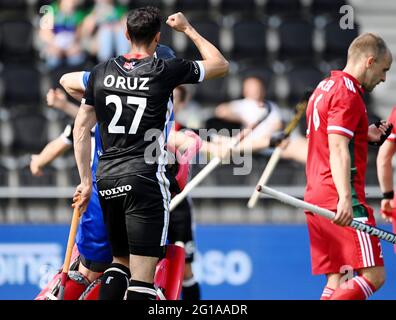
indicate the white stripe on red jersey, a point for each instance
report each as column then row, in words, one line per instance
column 338, row 128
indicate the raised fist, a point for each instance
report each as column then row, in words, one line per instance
column 178, row 22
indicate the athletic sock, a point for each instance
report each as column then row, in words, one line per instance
column 327, row 293
column 139, row 290
column 358, row 288
column 115, row 282
column 191, row 290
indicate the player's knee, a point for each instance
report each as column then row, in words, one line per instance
column 115, row 282
column 376, row 276
column 380, row 278
column 88, row 273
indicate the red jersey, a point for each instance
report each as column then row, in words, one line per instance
column 392, row 119
column 336, row 106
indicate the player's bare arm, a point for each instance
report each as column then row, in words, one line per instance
column 179, row 140
column 85, row 120
column 385, row 176
column 57, row 99
column 340, row 164
column 213, row 61
column 224, row 111
column 71, row 82
column 260, row 142
column 51, row 151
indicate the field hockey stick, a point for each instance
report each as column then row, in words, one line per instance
column 273, row 161
column 69, row 249
column 213, row 164
column 285, row 198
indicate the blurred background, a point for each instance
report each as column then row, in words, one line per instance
column 261, row 253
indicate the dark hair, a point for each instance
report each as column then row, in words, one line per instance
column 143, row 24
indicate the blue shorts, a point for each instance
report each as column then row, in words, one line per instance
column 91, row 239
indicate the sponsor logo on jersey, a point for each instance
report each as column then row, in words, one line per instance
column 129, row 65
column 196, row 69
column 115, row 192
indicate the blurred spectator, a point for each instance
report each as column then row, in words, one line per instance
column 107, row 23
column 62, row 41
column 253, row 108
column 297, row 148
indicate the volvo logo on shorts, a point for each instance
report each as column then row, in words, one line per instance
column 115, row 192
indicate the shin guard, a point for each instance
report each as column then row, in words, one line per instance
column 92, row 292
column 169, row 273
column 50, row 292
column 75, row 285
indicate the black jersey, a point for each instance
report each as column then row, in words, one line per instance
column 133, row 110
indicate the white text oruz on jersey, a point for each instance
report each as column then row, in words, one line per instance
column 126, row 82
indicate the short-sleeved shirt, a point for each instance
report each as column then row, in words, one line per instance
column 131, row 100
column 336, row 107
column 249, row 111
column 392, row 119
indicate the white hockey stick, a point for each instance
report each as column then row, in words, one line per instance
column 285, row 198
column 194, row 182
column 273, row 161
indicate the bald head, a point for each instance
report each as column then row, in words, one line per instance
column 367, row 44
column 369, row 59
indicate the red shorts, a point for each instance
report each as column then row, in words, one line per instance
column 335, row 248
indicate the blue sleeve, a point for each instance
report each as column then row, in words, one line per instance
column 85, row 78
column 164, row 52
column 89, row 95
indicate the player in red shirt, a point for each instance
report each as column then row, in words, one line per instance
column 338, row 134
column 385, row 174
